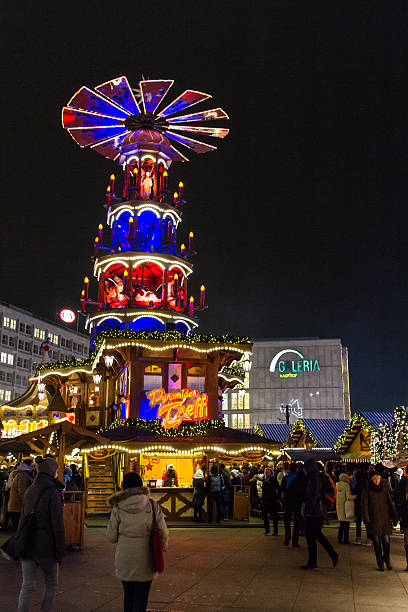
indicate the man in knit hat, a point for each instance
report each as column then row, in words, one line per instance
column 47, row 542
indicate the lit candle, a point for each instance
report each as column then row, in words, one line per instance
column 190, row 241
column 130, row 229
column 181, row 190
column 175, row 278
column 86, row 287
column 108, row 194
column 125, row 279
column 175, row 197
column 100, row 232
column 135, row 173
column 165, row 179
column 112, row 183
column 191, row 306
column 202, row 296
column 183, row 248
column 96, row 246
column 83, row 300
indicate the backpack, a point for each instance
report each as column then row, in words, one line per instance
column 216, row 483
column 329, row 489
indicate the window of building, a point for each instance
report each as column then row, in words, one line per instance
column 196, row 383
column 68, row 344
column 240, row 421
column 62, row 341
column 2, row 376
column 7, row 358
column 54, row 339
column 29, row 329
column 4, row 339
column 36, row 349
column 20, row 345
column 18, row 379
column 226, row 420
column 39, row 333
column 5, row 395
column 22, row 327
column 19, row 362
column 225, row 401
column 74, row 346
column 12, row 341
column 27, row 347
column 11, row 323
column 26, row 364
column 9, row 377
column 152, row 378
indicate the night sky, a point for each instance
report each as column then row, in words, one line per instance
column 300, row 215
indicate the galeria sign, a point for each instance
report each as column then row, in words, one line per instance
column 291, row 368
column 178, row 406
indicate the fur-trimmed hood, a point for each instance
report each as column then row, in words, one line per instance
column 124, row 494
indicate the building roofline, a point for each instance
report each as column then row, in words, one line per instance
column 41, row 318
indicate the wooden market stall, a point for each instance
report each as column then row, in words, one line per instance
column 132, row 449
column 60, row 440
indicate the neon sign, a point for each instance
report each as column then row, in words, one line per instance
column 178, row 406
column 290, row 369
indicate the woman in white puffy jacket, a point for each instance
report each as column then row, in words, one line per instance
column 130, row 525
column 344, row 516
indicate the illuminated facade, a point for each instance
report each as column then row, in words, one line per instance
column 308, row 377
column 140, row 312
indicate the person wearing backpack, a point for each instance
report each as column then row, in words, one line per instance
column 313, row 514
column 215, row 486
column 47, row 540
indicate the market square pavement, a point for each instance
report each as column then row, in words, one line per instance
column 235, row 570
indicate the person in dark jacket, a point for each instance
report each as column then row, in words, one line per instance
column 291, row 489
column 226, row 493
column 358, row 484
column 47, row 543
column 270, row 500
column 379, row 513
column 402, row 508
column 313, row 513
column 76, row 477
column 198, row 495
column 215, row 487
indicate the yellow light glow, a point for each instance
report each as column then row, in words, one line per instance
column 86, row 280
column 176, row 276
column 108, row 189
column 126, row 273
column 96, row 239
column 112, row 177
column 191, row 235
column 100, row 226
column 183, row 247
column 202, row 288
column 181, row 185
column 191, row 299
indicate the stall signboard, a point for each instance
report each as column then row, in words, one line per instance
column 177, row 406
column 292, row 367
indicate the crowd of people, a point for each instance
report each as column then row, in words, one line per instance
column 305, row 494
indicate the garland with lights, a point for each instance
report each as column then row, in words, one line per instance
column 299, row 424
column 257, row 431
column 232, row 371
column 155, row 427
column 391, row 442
column 357, row 418
column 144, row 334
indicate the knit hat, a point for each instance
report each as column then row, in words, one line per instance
column 46, row 466
column 132, row 480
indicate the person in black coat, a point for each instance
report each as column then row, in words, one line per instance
column 379, row 514
column 292, row 489
column 402, row 508
column 270, row 500
column 47, row 542
column 313, row 514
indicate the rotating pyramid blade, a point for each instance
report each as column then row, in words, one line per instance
column 72, row 118
column 214, row 132
column 87, row 136
column 188, row 98
column 119, row 91
column 195, row 145
column 88, row 100
column 153, row 92
column 110, row 148
column 214, row 113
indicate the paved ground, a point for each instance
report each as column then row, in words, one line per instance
column 235, row 570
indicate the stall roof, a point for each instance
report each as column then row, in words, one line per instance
column 318, row 454
column 326, row 431
column 38, row 442
column 376, row 418
column 273, row 431
column 222, row 434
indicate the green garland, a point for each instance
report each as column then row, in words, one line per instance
column 357, row 417
column 155, row 427
column 233, row 371
column 143, row 334
column 299, row 424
